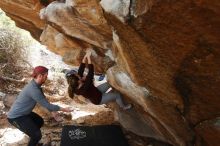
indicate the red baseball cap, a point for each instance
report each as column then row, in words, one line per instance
column 39, row 70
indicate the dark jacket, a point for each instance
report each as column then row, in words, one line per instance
column 88, row 90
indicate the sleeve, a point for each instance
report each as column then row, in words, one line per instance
column 89, row 77
column 40, row 98
column 81, row 69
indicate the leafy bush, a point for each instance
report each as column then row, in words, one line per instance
column 13, row 54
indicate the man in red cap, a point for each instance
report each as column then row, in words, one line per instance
column 39, row 70
column 21, row 116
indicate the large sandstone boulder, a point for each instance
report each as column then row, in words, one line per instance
column 163, row 56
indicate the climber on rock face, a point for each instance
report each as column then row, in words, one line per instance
column 83, row 85
column 21, row 116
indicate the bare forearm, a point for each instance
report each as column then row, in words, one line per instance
column 84, row 59
column 89, row 60
column 88, row 56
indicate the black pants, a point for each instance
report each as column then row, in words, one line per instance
column 30, row 125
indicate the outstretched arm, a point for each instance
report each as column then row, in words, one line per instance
column 81, row 69
column 84, row 59
column 82, row 65
column 40, row 98
column 89, row 78
column 88, row 56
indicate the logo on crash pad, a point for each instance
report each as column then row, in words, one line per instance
column 76, row 134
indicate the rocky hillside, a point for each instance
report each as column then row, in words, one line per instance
column 162, row 55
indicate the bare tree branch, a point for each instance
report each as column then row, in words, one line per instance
column 13, row 80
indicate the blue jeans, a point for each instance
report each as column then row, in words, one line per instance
column 30, row 125
column 110, row 96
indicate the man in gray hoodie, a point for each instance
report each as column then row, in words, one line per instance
column 21, row 116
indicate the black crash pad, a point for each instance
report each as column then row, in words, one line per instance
column 101, row 135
